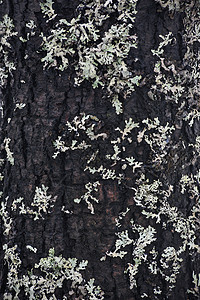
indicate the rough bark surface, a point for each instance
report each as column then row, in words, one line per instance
column 51, row 100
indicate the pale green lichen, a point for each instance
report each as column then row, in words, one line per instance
column 153, row 262
column 87, row 197
column 158, row 139
column 60, row 146
column 105, row 173
column 20, row 105
column 196, row 282
column 120, row 217
column 47, row 9
column 54, row 270
column 9, row 153
column 168, row 80
column 172, row 5
column 78, row 125
column 6, row 219
column 42, row 203
column 100, row 60
column 196, row 146
column 31, row 26
column 94, row 292
column 122, row 241
column 146, row 237
column 7, row 31
column 46, row 276
column 33, row 249
column 153, row 199
column 129, row 126
column 192, row 116
column 170, row 265
column 14, row 283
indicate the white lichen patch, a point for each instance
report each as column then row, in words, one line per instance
column 42, row 204
column 196, row 282
column 47, row 9
column 170, row 265
column 55, row 270
column 9, row 153
column 100, row 60
column 14, row 282
column 172, row 5
column 146, row 237
column 168, row 80
column 157, row 137
column 7, row 31
column 33, row 249
column 129, row 126
column 87, row 197
column 20, row 105
column 122, row 241
column 6, row 219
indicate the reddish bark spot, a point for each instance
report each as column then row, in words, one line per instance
column 112, row 193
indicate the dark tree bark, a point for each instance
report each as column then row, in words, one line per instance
column 147, row 187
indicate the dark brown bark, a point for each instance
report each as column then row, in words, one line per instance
column 51, row 100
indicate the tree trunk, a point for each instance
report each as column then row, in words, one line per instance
column 100, row 149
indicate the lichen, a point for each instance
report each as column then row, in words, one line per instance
column 54, row 270
column 41, row 204
column 87, row 197
column 9, row 153
column 7, row 66
column 172, row 5
column 99, row 59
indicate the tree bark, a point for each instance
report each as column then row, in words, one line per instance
column 153, row 203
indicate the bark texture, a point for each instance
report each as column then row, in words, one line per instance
column 51, row 100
